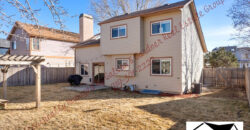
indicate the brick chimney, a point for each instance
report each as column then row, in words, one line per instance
column 86, row 27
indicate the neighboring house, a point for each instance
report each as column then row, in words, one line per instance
column 227, row 48
column 55, row 45
column 132, row 49
column 243, row 56
column 4, row 46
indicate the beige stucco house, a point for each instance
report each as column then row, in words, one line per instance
column 160, row 48
column 55, row 45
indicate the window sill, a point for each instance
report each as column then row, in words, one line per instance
column 166, row 75
column 114, row 38
column 34, row 50
column 122, row 70
column 160, row 34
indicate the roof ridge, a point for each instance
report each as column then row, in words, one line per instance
column 45, row 32
column 167, row 4
column 149, row 10
column 48, row 28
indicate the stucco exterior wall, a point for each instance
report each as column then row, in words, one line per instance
column 182, row 46
column 167, row 48
column 192, row 53
column 128, row 45
column 88, row 55
column 20, row 37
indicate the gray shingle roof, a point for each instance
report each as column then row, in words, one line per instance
column 95, row 40
column 147, row 11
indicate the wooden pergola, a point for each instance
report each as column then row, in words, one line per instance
column 35, row 61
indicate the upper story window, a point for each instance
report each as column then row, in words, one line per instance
column 122, row 64
column 85, row 69
column 161, row 27
column 161, row 66
column 27, row 43
column 119, row 31
column 36, row 44
column 13, row 45
column 246, row 55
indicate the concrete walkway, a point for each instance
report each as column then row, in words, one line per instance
column 86, row 88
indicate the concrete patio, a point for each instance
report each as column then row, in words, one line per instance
column 86, row 88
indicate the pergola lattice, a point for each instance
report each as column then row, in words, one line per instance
column 35, row 61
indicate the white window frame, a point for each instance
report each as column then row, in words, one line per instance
column 161, row 59
column 33, row 44
column 84, row 71
column 118, row 27
column 162, row 21
column 122, row 59
column 12, row 45
column 27, row 43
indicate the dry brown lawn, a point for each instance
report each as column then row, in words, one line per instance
column 108, row 109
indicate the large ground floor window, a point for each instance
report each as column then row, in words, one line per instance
column 161, row 66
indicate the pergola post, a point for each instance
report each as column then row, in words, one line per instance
column 4, row 85
column 34, row 61
column 37, row 69
column 4, row 71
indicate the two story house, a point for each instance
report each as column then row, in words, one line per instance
column 55, row 45
column 159, row 48
column 242, row 54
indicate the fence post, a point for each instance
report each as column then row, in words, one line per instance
column 247, row 85
column 203, row 76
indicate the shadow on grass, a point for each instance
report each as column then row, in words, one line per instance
column 59, row 93
column 212, row 107
column 228, row 104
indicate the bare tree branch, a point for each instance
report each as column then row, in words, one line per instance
column 240, row 14
column 104, row 9
column 25, row 12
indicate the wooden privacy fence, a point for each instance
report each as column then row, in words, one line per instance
column 21, row 76
column 247, row 76
column 228, row 77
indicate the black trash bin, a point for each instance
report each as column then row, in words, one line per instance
column 75, row 79
column 198, row 88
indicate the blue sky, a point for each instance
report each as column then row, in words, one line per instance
column 216, row 26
